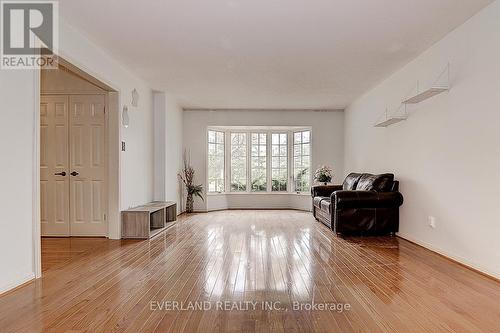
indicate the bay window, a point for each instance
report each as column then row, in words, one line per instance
column 301, row 160
column 279, row 162
column 258, row 162
column 238, row 162
column 216, row 158
column 260, row 159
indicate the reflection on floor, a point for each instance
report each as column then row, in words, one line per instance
column 61, row 251
column 277, row 271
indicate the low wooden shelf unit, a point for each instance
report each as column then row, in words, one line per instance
column 148, row 220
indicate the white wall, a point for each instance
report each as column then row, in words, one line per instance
column 446, row 154
column 18, row 96
column 17, row 105
column 160, row 167
column 257, row 201
column 327, row 148
column 136, row 163
column 168, row 148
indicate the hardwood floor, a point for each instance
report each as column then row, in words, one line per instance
column 275, row 257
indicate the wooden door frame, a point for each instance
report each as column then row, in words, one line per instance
column 112, row 127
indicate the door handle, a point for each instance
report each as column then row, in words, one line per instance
column 74, row 173
column 60, row 173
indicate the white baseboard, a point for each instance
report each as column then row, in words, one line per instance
column 451, row 256
column 16, row 283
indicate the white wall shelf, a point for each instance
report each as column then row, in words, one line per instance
column 390, row 121
column 441, row 85
column 389, row 118
column 431, row 92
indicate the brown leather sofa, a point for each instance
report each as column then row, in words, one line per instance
column 364, row 204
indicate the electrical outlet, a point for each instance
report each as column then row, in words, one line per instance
column 432, row 222
column 123, row 145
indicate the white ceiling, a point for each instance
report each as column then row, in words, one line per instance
column 266, row 53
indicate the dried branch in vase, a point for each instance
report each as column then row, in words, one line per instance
column 187, row 177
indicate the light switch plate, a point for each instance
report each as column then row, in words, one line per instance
column 432, row 222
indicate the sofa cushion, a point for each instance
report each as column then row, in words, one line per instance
column 377, row 183
column 324, row 190
column 325, row 205
column 351, row 181
column 317, row 201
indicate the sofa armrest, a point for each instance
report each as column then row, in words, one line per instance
column 367, row 199
column 324, row 190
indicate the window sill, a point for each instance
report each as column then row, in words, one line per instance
column 258, row 193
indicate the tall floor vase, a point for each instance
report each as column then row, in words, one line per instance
column 189, row 203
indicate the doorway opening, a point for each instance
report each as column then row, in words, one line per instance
column 78, row 163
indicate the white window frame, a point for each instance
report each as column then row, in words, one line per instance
column 225, row 160
column 249, row 159
column 229, row 170
column 269, row 131
column 292, row 144
column 270, row 147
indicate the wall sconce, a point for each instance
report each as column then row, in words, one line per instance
column 135, row 98
column 125, row 117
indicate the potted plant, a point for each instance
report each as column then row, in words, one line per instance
column 323, row 174
column 187, row 177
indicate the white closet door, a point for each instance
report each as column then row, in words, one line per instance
column 54, row 178
column 87, row 165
